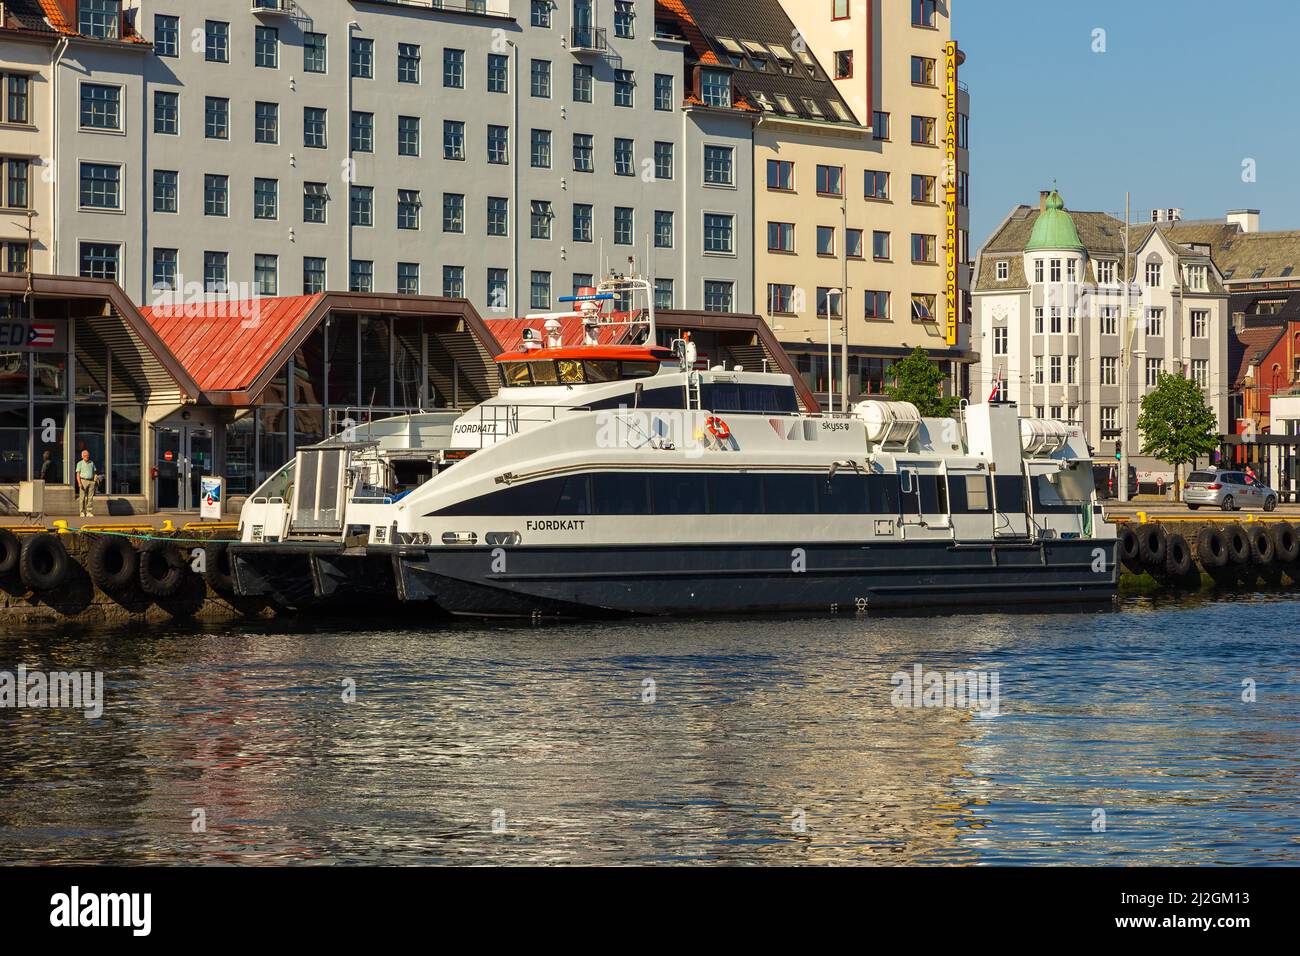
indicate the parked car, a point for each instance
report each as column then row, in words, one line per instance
column 1229, row 490
column 1106, row 480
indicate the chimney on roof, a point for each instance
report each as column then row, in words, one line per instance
column 1042, row 199
column 1247, row 219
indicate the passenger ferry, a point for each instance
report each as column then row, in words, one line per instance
column 636, row 479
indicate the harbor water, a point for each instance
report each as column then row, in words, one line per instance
column 1164, row 733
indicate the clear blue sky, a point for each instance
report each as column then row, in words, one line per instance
column 1186, row 90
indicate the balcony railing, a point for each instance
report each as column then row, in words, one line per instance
column 284, row 7
column 588, row 40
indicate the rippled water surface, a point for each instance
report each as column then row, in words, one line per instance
column 758, row 741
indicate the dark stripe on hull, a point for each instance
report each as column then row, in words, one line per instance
column 755, row 579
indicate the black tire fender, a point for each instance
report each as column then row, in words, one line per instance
column 217, row 570
column 1234, row 536
column 1212, row 549
column 1153, row 545
column 1130, row 552
column 162, row 568
column 112, row 563
column 1178, row 556
column 1262, row 551
column 1286, row 546
column 43, row 563
column 11, row 550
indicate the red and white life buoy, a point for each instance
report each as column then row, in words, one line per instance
column 718, row 428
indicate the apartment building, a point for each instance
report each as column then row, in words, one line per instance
column 505, row 151
column 1053, row 297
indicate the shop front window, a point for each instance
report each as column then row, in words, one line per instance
column 376, row 362
column 343, row 361
column 125, row 471
column 308, row 427
column 308, row 386
column 240, row 456
column 408, row 375
column 13, row 375
column 88, row 432
column 49, row 422
column 13, row 443
column 272, row 440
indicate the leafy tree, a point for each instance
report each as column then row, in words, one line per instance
column 920, row 381
column 1175, row 423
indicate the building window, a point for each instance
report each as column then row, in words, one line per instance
column 623, row 88
column 1201, row 372
column 539, row 290
column 216, row 41
column 99, row 18
column 923, row 189
column 166, row 112
column 663, row 160
column 453, row 281
column 663, row 92
column 830, row 180
column 1038, row 320
column 361, row 205
column 923, row 307
column 18, row 98
column 1200, row 323
column 1055, row 315
column 266, row 198
column 165, row 190
column 1038, row 370
column 166, row 35
column 582, row 83
column 1109, row 370
column 780, row 175
column 1054, row 375
column 1109, row 320
column 924, row 13
column 877, row 306
column 363, row 132
column 101, row 106
column 498, row 145
column 362, row 58
column 315, row 198
column 1071, row 270
column 663, row 229
column 216, row 195
column 540, row 217
column 1154, row 367
column 408, row 278
column 1000, row 341
column 1038, row 270
column 498, row 73
column 313, row 275
column 719, row 231
column 408, row 136
column 540, row 14
column 17, row 174
column 922, row 71
column 623, row 226
column 663, row 294
column 266, row 274
column 719, row 295
column 923, row 130
column 880, row 125
column 216, row 117
column 825, row 240
column 498, row 216
column 498, row 284
column 216, row 271
column 1155, row 321
column 164, row 269
column 361, row 276
column 539, row 74
column 266, row 127
column 880, row 246
column 408, row 209
column 1109, row 418
column 715, row 88
column 963, row 188
column 843, row 64
column 540, row 149
column 1197, row 277
column 266, row 49
column 453, row 139
column 101, row 186
column 313, row 127
column 923, row 248
column 780, row 299
column 1154, row 273
column 453, row 212
column 314, row 52
column 719, row 166
column 780, row 237
column 1003, row 268
column 408, row 63
column 877, row 184
column 624, row 19
column 582, row 220
column 100, row 260
column 1105, row 271
column 840, row 10
column 583, row 153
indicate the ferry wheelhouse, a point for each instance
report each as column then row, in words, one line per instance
column 617, row 478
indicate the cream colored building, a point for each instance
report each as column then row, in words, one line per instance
column 28, row 47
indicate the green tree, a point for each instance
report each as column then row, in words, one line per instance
column 920, row 381
column 1175, row 423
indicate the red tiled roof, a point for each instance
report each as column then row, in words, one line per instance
column 55, row 15
column 1249, row 347
column 224, row 345
column 691, row 30
column 510, row 332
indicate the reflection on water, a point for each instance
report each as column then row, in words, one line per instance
column 757, row 741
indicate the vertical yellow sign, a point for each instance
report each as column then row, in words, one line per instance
column 950, row 196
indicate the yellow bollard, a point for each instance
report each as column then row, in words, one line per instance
column 1142, row 517
column 167, row 525
column 61, row 527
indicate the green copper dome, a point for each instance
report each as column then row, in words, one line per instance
column 1054, row 229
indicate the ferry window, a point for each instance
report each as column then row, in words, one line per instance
column 1011, row 493
column 615, row 494
column 790, row 494
column 515, row 374
column 969, row 494
column 679, row 494
column 735, row 495
column 843, row 495
column 1048, row 500
column 601, row 371
column 570, row 371
column 574, row 497
column 640, row 369
column 910, row 497
column 543, row 373
column 934, row 499
column 883, row 494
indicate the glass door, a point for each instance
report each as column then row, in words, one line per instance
column 198, row 464
column 168, row 470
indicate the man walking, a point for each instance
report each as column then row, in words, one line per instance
column 87, row 476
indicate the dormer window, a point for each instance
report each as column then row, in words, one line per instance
column 1105, row 271
column 1153, row 273
column 1004, row 270
column 715, row 87
column 99, row 18
column 1196, row 277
